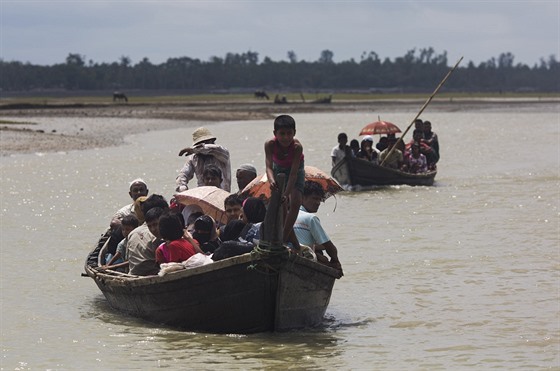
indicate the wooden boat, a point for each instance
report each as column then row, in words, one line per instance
column 254, row 292
column 265, row 290
column 353, row 171
column 325, row 100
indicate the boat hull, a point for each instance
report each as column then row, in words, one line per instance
column 243, row 294
column 357, row 172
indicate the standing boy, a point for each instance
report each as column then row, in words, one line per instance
column 284, row 154
column 341, row 150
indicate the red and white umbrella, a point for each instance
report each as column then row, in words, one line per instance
column 380, row 127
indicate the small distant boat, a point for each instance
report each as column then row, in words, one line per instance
column 325, row 100
column 353, row 171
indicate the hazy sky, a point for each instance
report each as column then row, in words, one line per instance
column 45, row 32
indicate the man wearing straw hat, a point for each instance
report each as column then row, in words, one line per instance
column 204, row 152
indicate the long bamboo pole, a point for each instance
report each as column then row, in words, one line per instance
column 422, row 109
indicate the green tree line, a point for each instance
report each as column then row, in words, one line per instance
column 417, row 70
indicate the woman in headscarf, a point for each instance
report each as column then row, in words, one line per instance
column 206, row 233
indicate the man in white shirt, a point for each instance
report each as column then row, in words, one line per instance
column 308, row 227
column 144, row 240
column 341, row 150
column 138, row 188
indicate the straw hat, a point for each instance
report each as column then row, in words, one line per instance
column 201, row 134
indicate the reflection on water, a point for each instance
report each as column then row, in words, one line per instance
column 172, row 347
column 460, row 275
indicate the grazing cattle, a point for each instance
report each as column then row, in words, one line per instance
column 117, row 97
column 261, row 94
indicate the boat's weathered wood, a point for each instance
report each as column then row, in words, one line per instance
column 243, row 294
column 303, row 297
column 354, row 171
column 137, row 281
column 231, row 299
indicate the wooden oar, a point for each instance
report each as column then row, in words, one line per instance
column 422, row 109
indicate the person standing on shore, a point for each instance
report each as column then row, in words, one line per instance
column 204, row 152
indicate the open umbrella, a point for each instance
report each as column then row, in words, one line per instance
column 380, row 127
column 260, row 187
column 209, row 198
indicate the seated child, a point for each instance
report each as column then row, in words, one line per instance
column 232, row 230
column 354, row 147
column 232, row 245
column 233, row 207
column 206, row 234
column 366, row 151
column 416, row 161
column 254, row 212
column 391, row 158
column 382, row 144
column 178, row 245
column 120, row 259
column 212, row 176
column 189, row 212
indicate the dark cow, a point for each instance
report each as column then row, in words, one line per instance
column 118, row 97
column 261, row 94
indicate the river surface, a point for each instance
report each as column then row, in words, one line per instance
column 461, row 275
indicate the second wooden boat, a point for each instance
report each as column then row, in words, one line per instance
column 353, row 171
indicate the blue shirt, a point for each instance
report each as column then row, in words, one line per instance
column 253, row 233
column 308, row 229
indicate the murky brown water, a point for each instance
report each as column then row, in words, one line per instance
column 464, row 274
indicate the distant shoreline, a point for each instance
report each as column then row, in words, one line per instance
column 23, row 136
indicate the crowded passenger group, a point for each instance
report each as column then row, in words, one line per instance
column 419, row 155
column 151, row 231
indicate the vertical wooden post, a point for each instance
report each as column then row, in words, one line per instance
column 273, row 225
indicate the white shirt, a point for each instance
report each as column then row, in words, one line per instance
column 337, row 154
